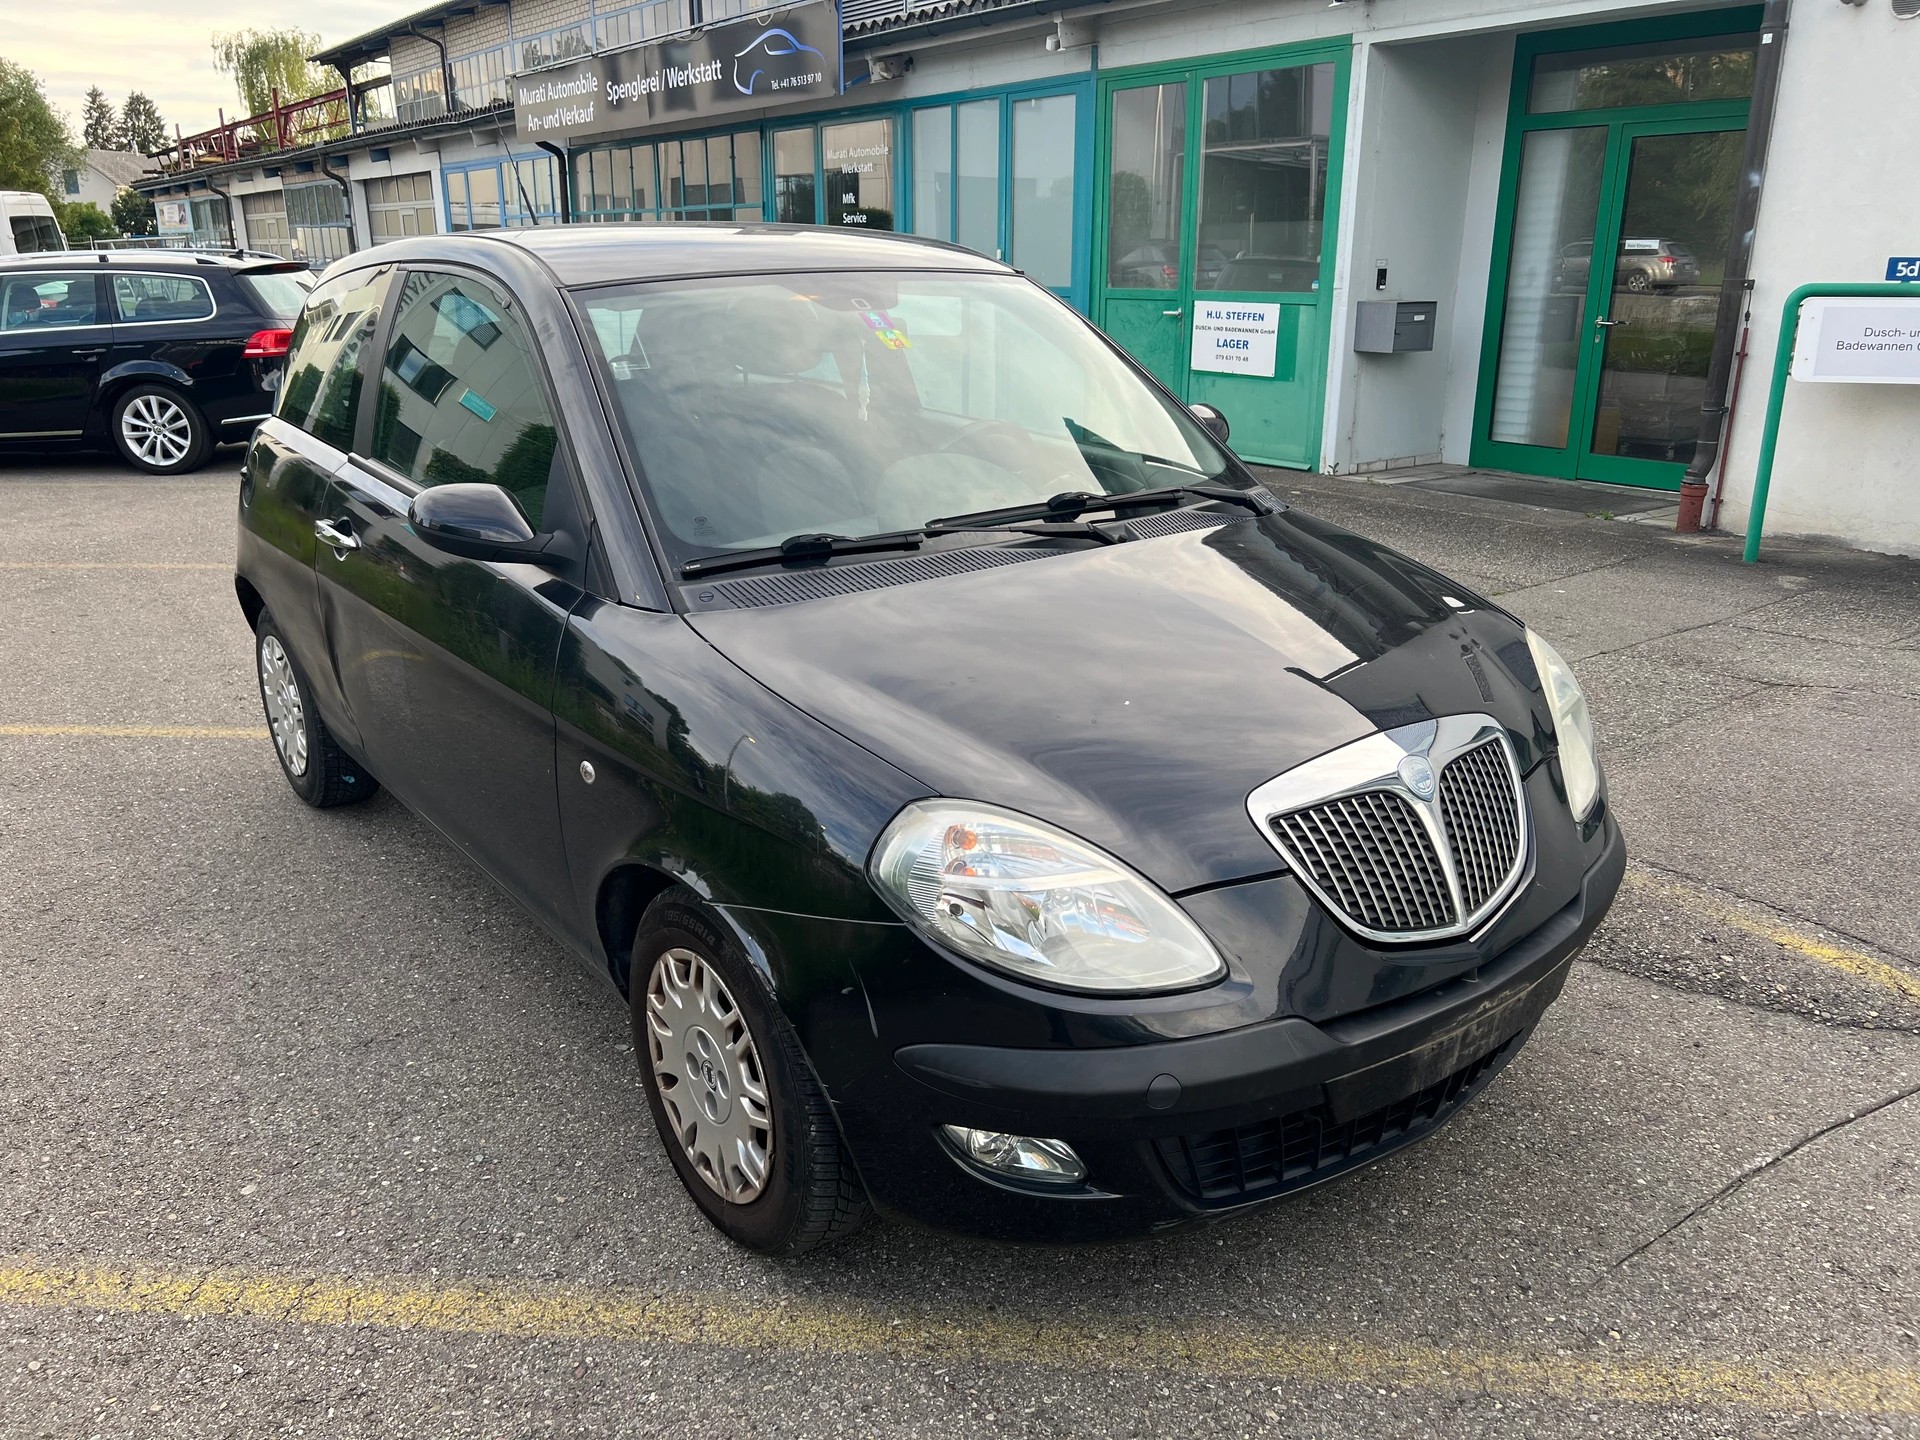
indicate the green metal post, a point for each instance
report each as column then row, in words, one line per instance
column 1777, row 395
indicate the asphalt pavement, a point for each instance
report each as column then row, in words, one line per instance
column 306, row 1130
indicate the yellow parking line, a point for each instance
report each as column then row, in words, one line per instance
column 1211, row 1348
column 1852, row 962
column 139, row 732
column 111, row 565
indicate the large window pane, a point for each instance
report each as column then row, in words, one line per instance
column 1263, row 179
column 1713, row 67
column 746, row 167
column 976, row 220
column 793, row 187
column 858, row 161
column 1547, row 276
column 1673, row 246
column 1149, row 179
column 933, row 173
column 1042, row 198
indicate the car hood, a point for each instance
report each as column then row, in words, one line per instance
column 1135, row 694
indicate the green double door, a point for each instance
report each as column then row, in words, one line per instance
column 1611, row 244
column 1218, row 187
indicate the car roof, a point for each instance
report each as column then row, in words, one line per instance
column 602, row 254
column 151, row 260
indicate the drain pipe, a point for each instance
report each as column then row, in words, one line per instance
column 446, row 65
column 559, row 153
column 346, row 197
column 1733, row 288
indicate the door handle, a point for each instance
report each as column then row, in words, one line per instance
column 89, row 354
column 1608, row 323
column 1174, row 314
column 340, row 539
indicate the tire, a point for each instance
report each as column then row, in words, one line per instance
column 320, row 772
column 1639, row 282
column 694, row 993
column 160, row 431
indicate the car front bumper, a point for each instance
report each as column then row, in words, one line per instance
column 1183, row 1130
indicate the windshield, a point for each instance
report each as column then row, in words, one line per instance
column 760, row 408
column 279, row 292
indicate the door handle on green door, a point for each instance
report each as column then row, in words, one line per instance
column 1174, row 314
column 1598, row 320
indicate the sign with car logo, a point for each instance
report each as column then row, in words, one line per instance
column 791, row 54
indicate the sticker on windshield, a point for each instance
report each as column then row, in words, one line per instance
column 473, row 402
column 885, row 331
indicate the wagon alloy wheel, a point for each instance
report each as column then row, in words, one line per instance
column 157, row 429
column 286, row 716
column 709, row 1075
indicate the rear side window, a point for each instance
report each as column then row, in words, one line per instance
column 279, row 293
column 321, row 393
column 35, row 232
column 460, row 393
column 141, row 299
column 47, row 302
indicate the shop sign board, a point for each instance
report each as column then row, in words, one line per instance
column 1858, row 342
column 746, row 64
column 1236, row 337
column 172, row 217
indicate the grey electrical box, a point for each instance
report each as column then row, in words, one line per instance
column 1385, row 326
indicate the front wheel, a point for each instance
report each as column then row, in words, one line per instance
column 160, row 431
column 744, row 1122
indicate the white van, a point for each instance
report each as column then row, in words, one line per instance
column 27, row 223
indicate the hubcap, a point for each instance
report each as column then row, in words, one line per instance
column 157, row 429
column 286, row 716
column 708, row 1072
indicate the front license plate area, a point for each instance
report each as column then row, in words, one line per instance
column 1378, row 1086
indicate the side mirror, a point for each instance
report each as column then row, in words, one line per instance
column 479, row 522
column 1211, row 420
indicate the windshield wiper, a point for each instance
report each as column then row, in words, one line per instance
column 801, row 549
column 1072, row 504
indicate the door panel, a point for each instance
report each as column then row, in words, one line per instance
column 447, row 667
column 53, row 335
column 1675, row 227
column 1147, row 288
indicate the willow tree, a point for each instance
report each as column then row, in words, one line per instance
column 264, row 61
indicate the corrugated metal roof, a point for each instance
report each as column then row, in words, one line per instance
column 861, row 17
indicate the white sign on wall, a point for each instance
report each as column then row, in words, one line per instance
column 1858, row 342
column 171, row 217
column 1232, row 337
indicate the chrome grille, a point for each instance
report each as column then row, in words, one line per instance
column 1414, row 833
column 1479, row 806
column 1372, row 854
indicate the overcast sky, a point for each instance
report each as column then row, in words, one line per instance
column 164, row 47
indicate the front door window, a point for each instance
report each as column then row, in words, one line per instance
column 1145, row 202
column 856, row 159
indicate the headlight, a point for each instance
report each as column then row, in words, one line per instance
column 1571, row 724
column 1033, row 901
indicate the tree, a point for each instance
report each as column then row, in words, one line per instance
column 100, row 122
column 141, row 127
column 34, row 143
column 84, row 221
column 264, row 61
column 133, row 213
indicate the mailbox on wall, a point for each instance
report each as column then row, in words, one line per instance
column 1383, row 327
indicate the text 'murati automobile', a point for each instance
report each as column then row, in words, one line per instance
column 995, row 806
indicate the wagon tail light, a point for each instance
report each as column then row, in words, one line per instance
column 268, row 344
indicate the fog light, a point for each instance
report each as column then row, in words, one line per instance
column 1021, row 1157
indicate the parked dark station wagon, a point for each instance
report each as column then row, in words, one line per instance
column 157, row 354
column 995, row 806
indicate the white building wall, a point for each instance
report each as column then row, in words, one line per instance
column 1842, row 194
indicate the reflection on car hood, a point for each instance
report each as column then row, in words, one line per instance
column 1135, row 694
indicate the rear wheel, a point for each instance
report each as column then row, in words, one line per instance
column 160, row 431
column 320, row 772
column 744, row 1122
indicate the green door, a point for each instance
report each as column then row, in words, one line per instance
column 1615, row 221
column 1219, row 188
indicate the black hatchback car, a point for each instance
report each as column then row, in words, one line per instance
column 159, row 354
column 993, row 804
